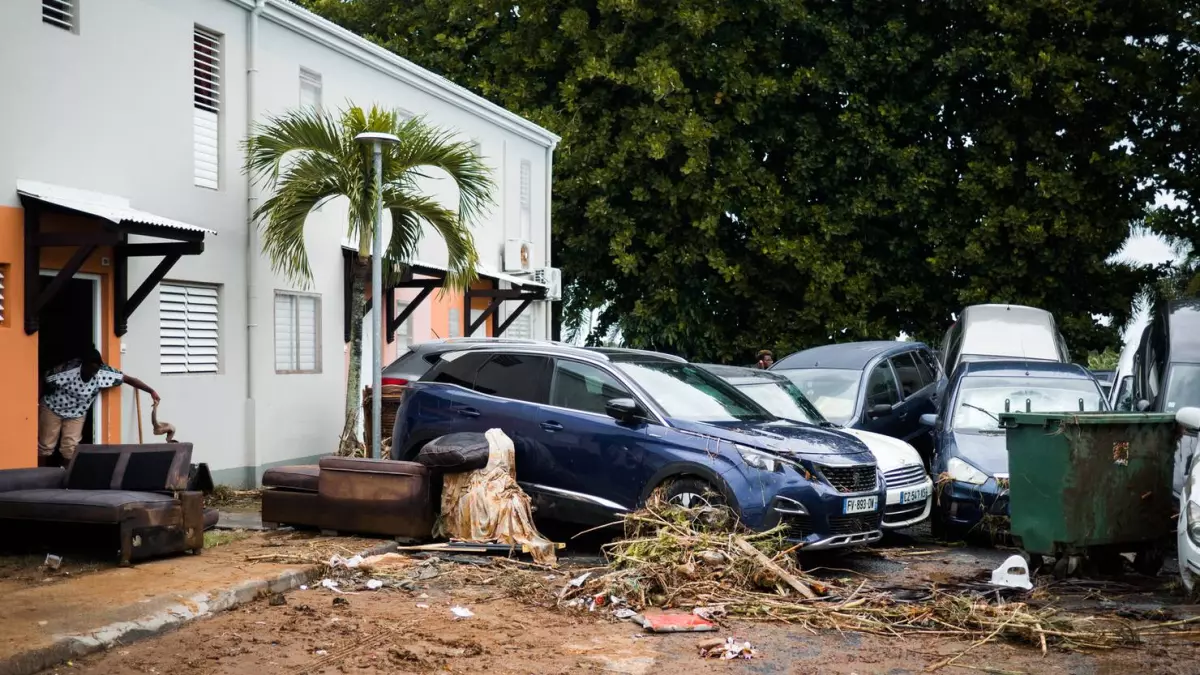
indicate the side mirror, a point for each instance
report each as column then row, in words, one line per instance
column 623, row 410
column 880, row 410
column 1143, row 405
column 1189, row 419
column 929, row 419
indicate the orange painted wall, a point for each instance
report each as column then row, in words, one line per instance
column 19, row 352
column 439, row 311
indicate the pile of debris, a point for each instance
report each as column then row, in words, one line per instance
column 702, row 560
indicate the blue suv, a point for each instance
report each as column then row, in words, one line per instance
column 597, row 431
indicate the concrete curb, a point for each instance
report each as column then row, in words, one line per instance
column 201, row 605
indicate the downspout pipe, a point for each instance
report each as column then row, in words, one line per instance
column 251, row 244
column 548, row 326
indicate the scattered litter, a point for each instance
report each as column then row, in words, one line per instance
column 43, row 623
column 726, row 649
column 578, row 581
column 321, row 652
column 374, row 584
column 385, row 560
column 663, row 622
column 331, row 585
column 421, row 605
column 624, row 613
column 596, row 600
column 277, row 599
column 53, row 562
column 461, row 612
column 423, row 596
column 340, row 602
column 1013, row 573
column 351, row 563
column 710, row 613
column 303, row 587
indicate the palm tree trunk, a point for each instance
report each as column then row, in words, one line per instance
column 350, row 444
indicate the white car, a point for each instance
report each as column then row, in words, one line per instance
column 909, row 488
column 1188, row 530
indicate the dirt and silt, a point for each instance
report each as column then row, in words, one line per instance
column 518, row 624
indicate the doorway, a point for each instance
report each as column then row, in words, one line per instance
column 68, row 327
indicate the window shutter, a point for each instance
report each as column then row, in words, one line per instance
column 206, row 127
column 285, row 332
column 3, row 292
column 526, row 200
column 455, row 324
column 310, row 89
column 297, row 333
column 189, row 329
column 521, row 328
column 59, row 13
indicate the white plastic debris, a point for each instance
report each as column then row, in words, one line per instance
column 349, row 563
column 303, row 587
column 331, row 585
column 461, row 612
column 624, row 613
column 53, row 562
column 726, row 650
column 421, row 605
column 321, row 652
column 374, row 584
column 1012, row 573
column 578, row 581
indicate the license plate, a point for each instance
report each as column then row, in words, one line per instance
column 916, row 495
column 861, row 504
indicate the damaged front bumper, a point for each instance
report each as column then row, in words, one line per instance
column 964, row 506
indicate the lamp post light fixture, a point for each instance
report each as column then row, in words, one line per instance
column 377, row 140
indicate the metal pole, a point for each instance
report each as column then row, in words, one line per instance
column 377, row 311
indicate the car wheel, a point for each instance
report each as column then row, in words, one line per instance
column 692, row 493
column 1148, row 562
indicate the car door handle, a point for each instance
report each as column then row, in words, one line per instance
column 552, row 426
column 468, row 412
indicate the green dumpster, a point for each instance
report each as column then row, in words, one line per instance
column 1091, row 486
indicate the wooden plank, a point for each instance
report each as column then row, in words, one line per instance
column 769, row 565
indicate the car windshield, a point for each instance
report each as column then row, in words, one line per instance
column 688, row 392
column 832, row 390
column 782, row 399
column 1183, row 387
column 981, row 398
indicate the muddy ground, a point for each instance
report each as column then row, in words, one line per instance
column 408, row 627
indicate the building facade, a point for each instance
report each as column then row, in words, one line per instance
column 124, row 212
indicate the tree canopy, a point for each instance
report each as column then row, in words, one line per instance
column 766, row 173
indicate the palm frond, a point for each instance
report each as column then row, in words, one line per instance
column 410, row 212
column 303, row 130
column 308, row 182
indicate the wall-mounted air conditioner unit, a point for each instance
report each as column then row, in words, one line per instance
column 552, row 278
column 518, row 255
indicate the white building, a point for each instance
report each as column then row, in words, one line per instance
column 113, row 106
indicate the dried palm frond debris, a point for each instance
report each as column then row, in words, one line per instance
column 702, row 559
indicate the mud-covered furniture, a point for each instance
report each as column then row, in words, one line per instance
column 345, row 494
column 138, row 490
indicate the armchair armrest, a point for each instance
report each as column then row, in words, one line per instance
column 41, row 478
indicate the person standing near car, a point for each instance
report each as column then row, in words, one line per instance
column 764, row 359
column 68, row 392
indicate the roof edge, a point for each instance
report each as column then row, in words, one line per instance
column 321, row 30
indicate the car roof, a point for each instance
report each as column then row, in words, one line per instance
column 547, row 348
column 1183, row 320
column 460, row 343
column 1024, row 368
column 736, row 375
column 845, row 355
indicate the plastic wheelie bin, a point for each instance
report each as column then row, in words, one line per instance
column 1086, row 487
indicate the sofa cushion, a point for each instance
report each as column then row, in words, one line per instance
column 32, row 479
column 80, row 506
column 302, row 477
column 373, row 466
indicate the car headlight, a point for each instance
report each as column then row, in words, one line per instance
column 965, row 473
column 759, row 459
column 1193, row 522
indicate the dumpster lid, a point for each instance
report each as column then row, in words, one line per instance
column 1009, row 420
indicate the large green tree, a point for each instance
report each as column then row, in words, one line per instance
column 306, row 157
column 776, row 173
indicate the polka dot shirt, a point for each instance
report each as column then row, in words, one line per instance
column 69, row 396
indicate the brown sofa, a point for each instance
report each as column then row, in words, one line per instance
column 346, row 494
column 139, row 490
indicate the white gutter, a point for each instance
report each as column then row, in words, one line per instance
column 549, row 321
column 251, row 237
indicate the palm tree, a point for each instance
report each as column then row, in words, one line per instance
column 307, row 157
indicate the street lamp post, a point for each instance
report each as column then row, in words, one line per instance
column 377, row 140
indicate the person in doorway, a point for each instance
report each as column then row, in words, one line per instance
column 764, row 359
column 68, row 392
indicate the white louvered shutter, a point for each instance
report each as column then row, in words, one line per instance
column 206, row 123
column 526, row 200
column 297, row 340
column 189, row 329
column 455, row 323
column 59, row 13
column 521, row 328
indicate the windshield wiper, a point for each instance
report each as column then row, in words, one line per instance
column 982, row 410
